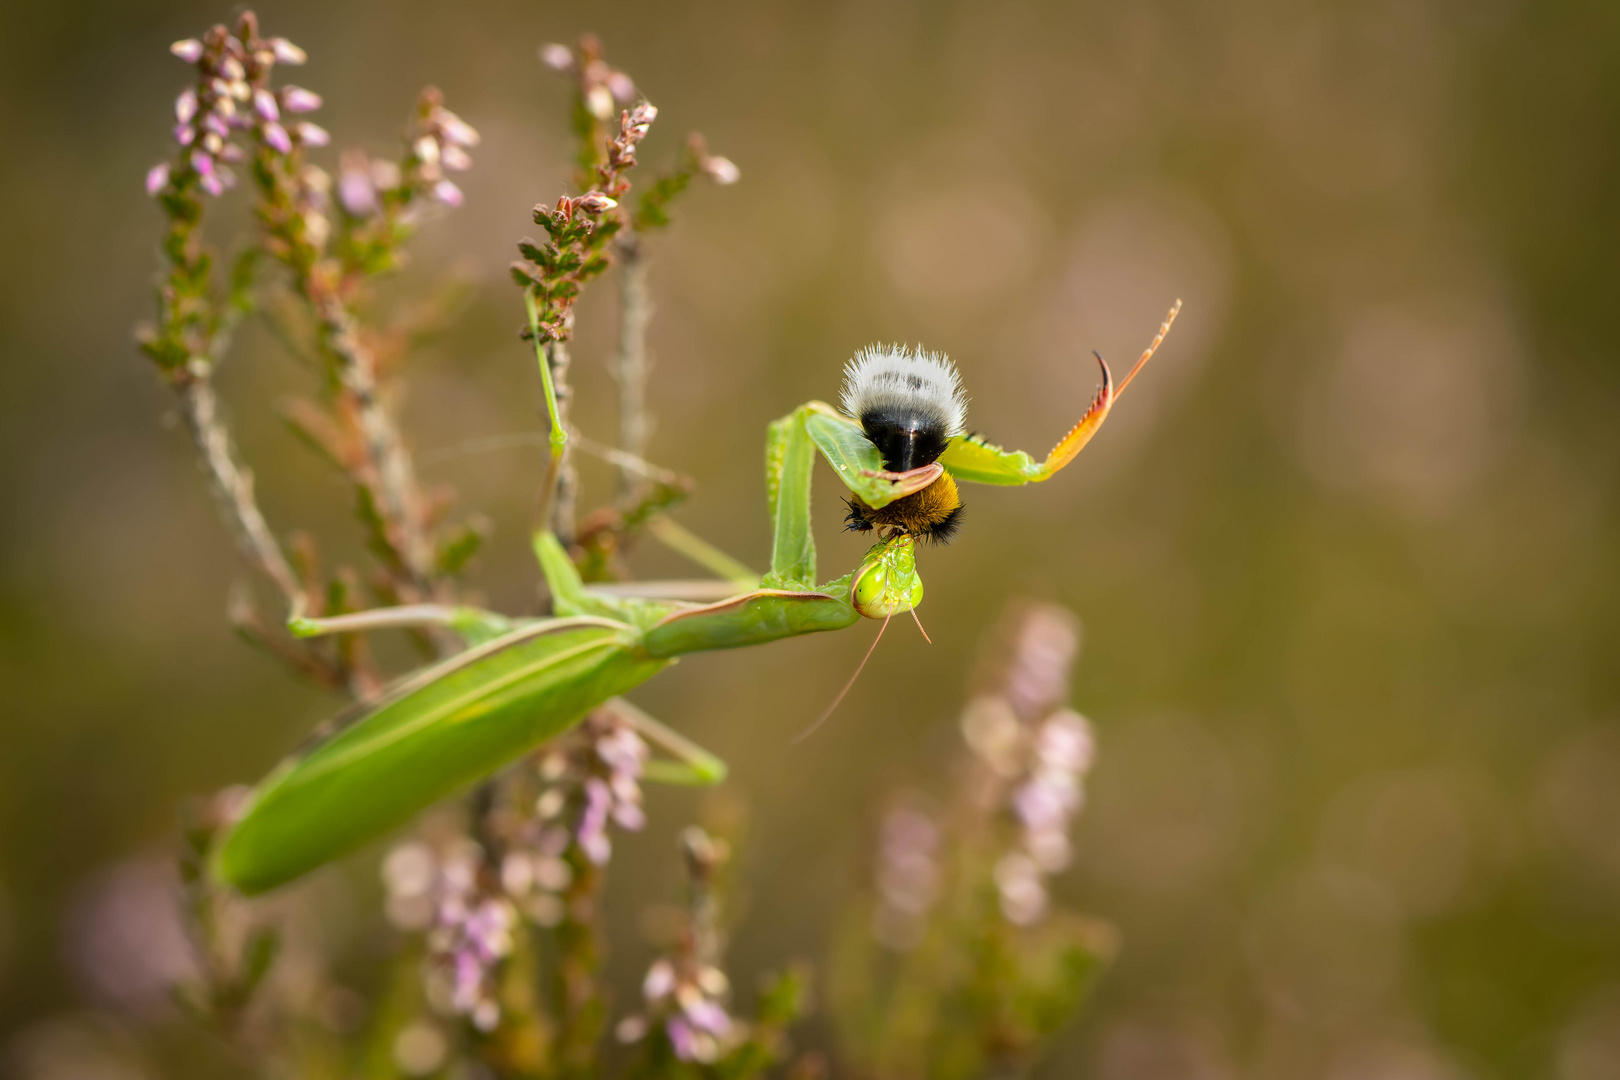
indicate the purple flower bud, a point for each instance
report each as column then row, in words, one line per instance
column 184, row 134
column 190, row 50
column 447, row 192
column 557, row 57
column 213, row 185
column 286, row 52
column 295, row 99
column 202, row 163
column 185, row 106
column 276, row 137
column 312, row 134
column 157, row 178
column 215, row 123
column 231, row 152
column 213, row 144
column 232, row 69
column 620, row 86
column 264, row 103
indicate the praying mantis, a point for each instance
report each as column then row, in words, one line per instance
column 520, row 683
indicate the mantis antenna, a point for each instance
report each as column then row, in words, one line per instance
column 870, row 649
column 920, row 629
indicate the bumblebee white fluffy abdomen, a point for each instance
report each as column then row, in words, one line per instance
column 895, row 379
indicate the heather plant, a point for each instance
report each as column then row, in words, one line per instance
column 957, row 964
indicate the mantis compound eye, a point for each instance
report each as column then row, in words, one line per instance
column 887, row 582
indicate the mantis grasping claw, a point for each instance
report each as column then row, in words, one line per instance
column 521, row 683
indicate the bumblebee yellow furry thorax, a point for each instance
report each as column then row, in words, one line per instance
column 934, row 513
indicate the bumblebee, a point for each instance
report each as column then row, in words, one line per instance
column 910, row 405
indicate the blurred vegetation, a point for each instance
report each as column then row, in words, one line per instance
column 1345, row 559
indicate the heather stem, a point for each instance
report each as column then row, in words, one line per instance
column 630, row 365
column 581, row 1013
column 399, row 498
column 232, row 485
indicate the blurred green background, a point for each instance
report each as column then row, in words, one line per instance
column 1345, row 556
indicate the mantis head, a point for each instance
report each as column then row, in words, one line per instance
column 887, row 582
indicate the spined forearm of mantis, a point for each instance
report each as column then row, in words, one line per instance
column 898, row 445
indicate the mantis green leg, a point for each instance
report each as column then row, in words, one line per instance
column 692, row 766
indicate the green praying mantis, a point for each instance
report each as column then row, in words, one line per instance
column 520, row 683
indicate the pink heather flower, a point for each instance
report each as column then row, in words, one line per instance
column 264, row 103
column 185, row 106
column 356, row 193
column 286, row 52
column 276, row 137
column 202, row 163
column 213, row 185
column 312, row 134
column 455, row 158
column 1065, row 742
column 185, row 134
column 721, row 170
column 594, row 202
column 213, row 144
column 190, row 50
column 709, row 1016
column 660, row 980
column 1043, row 805
column 447, row 193
column 157, row 178
column 385, row 174
column 620, row 86
column 554, row 56
column 455, row 129
column 629, row 816
column 295, row 99
column 232, row 69
column 213, row 122
column 599, row 102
